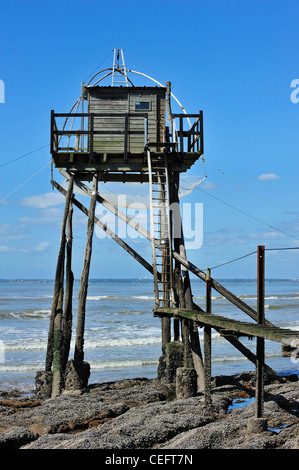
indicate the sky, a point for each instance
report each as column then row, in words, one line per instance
column 237, row 60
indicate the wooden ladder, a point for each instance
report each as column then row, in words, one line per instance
column 160, row 229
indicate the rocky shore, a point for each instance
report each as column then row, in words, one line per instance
column 146, row 414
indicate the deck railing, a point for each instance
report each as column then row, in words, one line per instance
column 91, row 132
column 183, row 140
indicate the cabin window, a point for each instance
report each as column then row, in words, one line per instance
column 142, row 105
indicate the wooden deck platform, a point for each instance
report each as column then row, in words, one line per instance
column 115, row 168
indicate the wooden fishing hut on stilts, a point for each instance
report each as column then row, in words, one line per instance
column 123, row 136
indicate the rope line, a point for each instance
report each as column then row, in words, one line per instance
column 280, row 249
column 22, row 184
column 245, row 213
column 97, row 67
column 25, row 155
column 253, row 192
column 233, row 260
column 252, row 253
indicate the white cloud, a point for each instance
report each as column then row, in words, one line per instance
column 209, row 185
column 50, row 216
column 268, row 177
column 223, row 240
column 21, row 249
column 42, row 246
column 42, row 201
column 265, row 235
column 5, row 249
column 12, row 232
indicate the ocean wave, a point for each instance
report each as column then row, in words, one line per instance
column 203, row 297
column 281, row 306
column 101, row 297
column 26, row 345
column 26, row 297
column 291, row 326
column 21, row 367
column 26, row 314
column 143, row 297
column 122, row 364
column 228, row 359
column 116, row 297
column 41, row 344
column 122, row 342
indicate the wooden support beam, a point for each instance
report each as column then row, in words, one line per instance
column 219, row 288
column 113, row 209
column 260, row 342
column 79, row 345
column 67, row 316
column 208, row 344
column 53, row 356
column 247, row 353
column 193, row 331
column 57, row 379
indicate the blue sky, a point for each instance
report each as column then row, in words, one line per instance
column 234, row 59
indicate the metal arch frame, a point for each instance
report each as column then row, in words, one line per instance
column 137, row 73
column 77, row 102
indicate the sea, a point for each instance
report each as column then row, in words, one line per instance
column 122, row 337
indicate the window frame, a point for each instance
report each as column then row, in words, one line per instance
column 142, row 109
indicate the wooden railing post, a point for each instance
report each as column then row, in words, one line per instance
column 91, row 135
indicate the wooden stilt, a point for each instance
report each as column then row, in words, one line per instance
column 69, row 281
column 260, row 342
column 55, row 332
column 193, row 332
column 79, row 345
column 57, row 380
column 208, row 343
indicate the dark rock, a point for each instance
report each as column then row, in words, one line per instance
column 174, row 359
column 76, row 375
column 145, row 413
column 43, row 384
column 16, row 437
column 186, row 382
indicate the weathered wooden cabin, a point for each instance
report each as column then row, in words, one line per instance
column 126, row 118
column 119, row 124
